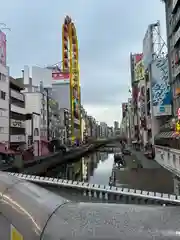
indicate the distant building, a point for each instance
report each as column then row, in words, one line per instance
column 103, row 130
column 116, row 125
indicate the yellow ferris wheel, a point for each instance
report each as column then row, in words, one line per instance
column 70, row 63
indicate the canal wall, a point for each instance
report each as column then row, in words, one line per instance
column 45, row 164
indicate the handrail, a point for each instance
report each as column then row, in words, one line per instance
column 168, row 149
column 31, row 212
column 95, row 189
column 26, row 206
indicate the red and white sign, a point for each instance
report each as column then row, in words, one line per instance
column 2, row 48
column 179, row 113
column 60, row 77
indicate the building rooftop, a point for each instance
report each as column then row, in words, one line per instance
column 16, row 83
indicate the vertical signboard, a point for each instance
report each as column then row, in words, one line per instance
column 147, row 48
column 161, row 90
column 136, row 67
column 139, row 71
column 2, row 48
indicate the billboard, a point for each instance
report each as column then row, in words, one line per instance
column 59, row 77
column 147, row 48
column 2, row 48
column 137, row 69
column 161, row 90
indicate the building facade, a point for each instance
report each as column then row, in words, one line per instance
column 4, row 94
column 4, row 105
column 17, row 115
column 173, row 41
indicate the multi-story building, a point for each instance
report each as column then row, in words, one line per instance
column 4, row 95
column 111, row 132
column 65, row 125
column 173, row 42
column 37, row 129
column 103, row 129
column 17, row 115
column 116, row 125
column 61, row 92
column 53, row 119
column 167, row 141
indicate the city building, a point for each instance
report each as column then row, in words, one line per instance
column 17, row 115
column 4, row 95
column 111, row 131
column 116, row 125
column 61, row 92
column 103, row 130
column 173, row 41
column 65, row 125
column 54, row 130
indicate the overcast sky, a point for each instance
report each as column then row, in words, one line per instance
column 107, row 31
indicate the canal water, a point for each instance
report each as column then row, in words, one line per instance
column 97, row 168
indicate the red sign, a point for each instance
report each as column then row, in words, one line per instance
column 2, row 48
column 138, row 57
column 178, row 113
column 60, row 76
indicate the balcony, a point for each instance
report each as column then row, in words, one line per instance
column 17, row 95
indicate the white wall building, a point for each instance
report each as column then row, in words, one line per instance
column 4, row 104
column 37, row 127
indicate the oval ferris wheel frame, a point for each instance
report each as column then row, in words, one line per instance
column 70, row 63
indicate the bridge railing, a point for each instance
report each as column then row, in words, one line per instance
column 111, row 194
column 169, row 158
column 31, row 212
column 25, row 208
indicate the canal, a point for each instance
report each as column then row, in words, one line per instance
column 97, row 168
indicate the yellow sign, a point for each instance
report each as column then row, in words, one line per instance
column 139, row 71
column 15, row 234
column 178, row 126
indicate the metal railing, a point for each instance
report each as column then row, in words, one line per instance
column 110, row 194
column 31, row 212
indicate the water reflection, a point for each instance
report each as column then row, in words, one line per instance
column 94, row 168
column 97, row 168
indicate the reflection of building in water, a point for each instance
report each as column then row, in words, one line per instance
column 84, row 169
column 103, row 156
column 74, row 171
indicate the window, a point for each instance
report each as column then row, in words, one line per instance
column 2, row 77
column 3, row 95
